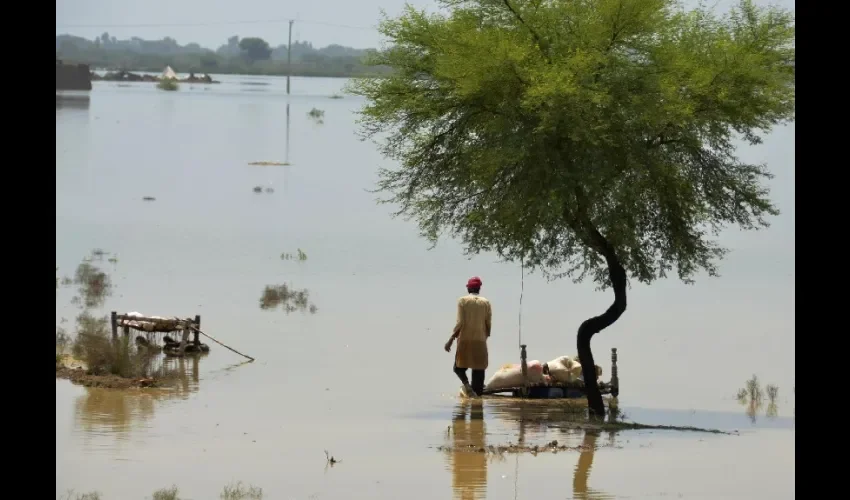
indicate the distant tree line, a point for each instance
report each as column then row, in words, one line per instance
column 238, row 56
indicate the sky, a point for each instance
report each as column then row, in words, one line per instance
column 210, row 22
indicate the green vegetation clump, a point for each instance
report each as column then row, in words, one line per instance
column 300, row 256
column 62, row 340
column 239, row 491
column 166, row 494
column 104, row 355
column 92, row 495
column 752, row 396
column 168, row 84
column 288, row 299
column 94, row 345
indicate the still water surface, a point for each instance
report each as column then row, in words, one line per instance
column 365, row 377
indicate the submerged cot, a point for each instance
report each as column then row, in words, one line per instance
column 560, row 378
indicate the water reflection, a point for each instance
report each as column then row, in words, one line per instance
column 73, row 100
column 286, row 150
column 520, row 422
column 468, row 465
column 536, row 420
column 117, row 412
column 581, row 475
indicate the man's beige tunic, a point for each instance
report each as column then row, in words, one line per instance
column 474, row 318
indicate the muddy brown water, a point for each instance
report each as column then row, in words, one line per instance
column 365, row 377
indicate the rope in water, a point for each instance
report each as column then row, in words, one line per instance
column 521, row 293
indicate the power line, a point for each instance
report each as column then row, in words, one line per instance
column 221, row 23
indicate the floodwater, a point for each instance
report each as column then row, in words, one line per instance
column 362, row 373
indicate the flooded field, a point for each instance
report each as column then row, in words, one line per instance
column 349, row 341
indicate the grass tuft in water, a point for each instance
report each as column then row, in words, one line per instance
column 772, row 392
column 288, row 299
column 166, row 494
column 754, row 390
column 752, row 395
column 239, row 491
column 62, row 340
column 104, row 356
column 168, row 84
column 92, row 495
column 94, row 284
column 300, row 256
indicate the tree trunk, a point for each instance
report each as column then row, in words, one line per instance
column 596, row 324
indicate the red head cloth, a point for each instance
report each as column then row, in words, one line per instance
column 474, row 282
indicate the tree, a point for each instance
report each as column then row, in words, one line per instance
column 255, row 49
column 584, row 138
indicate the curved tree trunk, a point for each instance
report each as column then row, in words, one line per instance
column 596, row 324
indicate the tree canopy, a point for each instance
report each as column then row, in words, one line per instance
column 582, row 137
column 566, row 133
column 255, row 49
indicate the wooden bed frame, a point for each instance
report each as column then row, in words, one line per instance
column 568, row 390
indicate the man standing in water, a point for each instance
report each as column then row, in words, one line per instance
column 474, row 320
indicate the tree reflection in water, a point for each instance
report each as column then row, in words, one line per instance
column 117, row 412
column 468, row 453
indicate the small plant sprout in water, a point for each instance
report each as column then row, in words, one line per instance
column 239, row 491
column 166, row 494
column 300, row 256
column 317, row 114
column 330, row 459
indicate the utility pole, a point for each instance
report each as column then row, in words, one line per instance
column 289, row 57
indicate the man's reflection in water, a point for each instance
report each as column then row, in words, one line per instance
column 469, row 467
column 582, row 471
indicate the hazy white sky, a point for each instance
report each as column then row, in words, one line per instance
column 211, row 22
